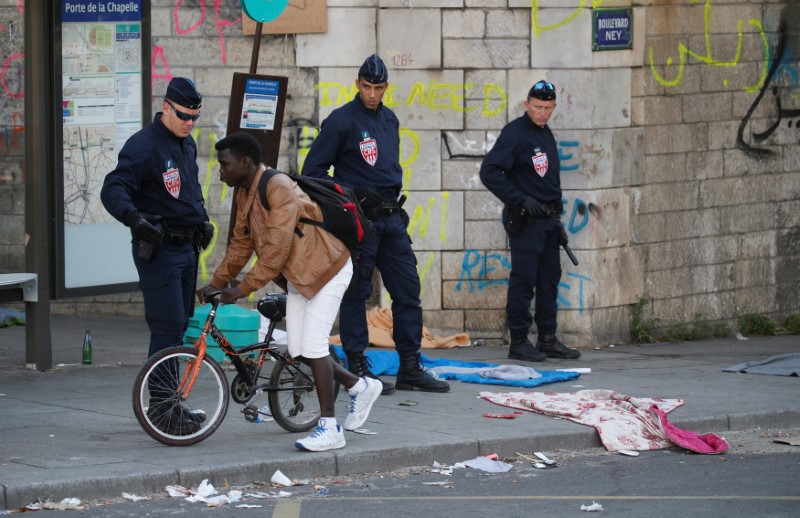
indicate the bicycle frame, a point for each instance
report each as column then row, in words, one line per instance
column 234, row 354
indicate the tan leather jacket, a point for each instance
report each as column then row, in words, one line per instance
column 307, row 262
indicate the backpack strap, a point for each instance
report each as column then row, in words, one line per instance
column 262, row 185
column 262, row 193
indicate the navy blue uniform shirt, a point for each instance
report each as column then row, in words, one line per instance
column 362, row 145
column 523, row 162
column 156, row 174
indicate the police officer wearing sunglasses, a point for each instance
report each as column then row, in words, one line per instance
column 523, row 170
column 155, row 191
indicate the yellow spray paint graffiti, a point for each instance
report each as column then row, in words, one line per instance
column 707, row 58
column 538, row 28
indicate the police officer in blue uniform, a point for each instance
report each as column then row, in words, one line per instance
column 523, row 170
column 361, row 141
column 155, row 191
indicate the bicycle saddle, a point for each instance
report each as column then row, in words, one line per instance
column 273, row 306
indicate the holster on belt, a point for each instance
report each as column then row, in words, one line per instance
column 513, row 219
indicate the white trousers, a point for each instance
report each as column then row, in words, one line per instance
column 309, row 322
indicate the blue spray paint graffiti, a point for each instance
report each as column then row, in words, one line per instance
column 476, row 265
column 563, row 156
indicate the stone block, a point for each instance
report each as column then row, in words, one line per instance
column 692, row 223
column 707, row 107
column 675, row 138
column 758, row 244
column 722, row 135
column 756, row 217
column 756, row 299
column 483, row 53
column 429, row 270
column 675, row 20
column 485, row 114
column 353, row 3
column 467, row 144
column 341, row 46
column 648, row 228
column 481, row 205
column 733, row 80
column 420, row 99
column 665, row 197
column 436, row 219
column 708, row 306
column 569, row 45
column 484, row 296
column 420, row 156
column 663, row 284
column 754, row 272
column 410, row 38
column 508, row 23
column 486, row 323
column 665, row 256
column 704, row 164
column 668, row 310
column 709, row 250
column 711, row 278
column 788, row 214
column 444, row 4
column 605, row 278
column 663, row 110
column 669, row 167
column 577, row 92
column 161, row 21
column 444, row 323
column 602, row 158
column 484, row 235
column 737, row 163
column 467, row 23
column 597, row 218
column 487, row 84
column 461, row 175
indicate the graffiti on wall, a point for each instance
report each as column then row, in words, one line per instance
column 784, row 63
column 478, row 272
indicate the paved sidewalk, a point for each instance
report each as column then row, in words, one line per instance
column 70, row 432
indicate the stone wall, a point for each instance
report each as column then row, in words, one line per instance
column 680, row 157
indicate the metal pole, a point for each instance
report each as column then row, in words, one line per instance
column 38, row 167
column 256, row 48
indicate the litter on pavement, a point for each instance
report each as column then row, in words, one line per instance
column 594, row 507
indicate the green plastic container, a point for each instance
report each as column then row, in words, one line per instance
column 239, row 325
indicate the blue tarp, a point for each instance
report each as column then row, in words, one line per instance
column 387, row 362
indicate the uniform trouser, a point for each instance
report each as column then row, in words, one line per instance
column 535, row 269
column 167, row 282
column 388, row 249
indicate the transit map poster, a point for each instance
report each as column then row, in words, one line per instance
column 102, row 83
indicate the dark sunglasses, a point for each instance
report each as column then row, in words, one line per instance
column 183, row 116
column 544, row 86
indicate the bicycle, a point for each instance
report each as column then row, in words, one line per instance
column 181, row 394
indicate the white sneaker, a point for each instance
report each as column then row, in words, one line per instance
column 323, row 439
column 361, row 404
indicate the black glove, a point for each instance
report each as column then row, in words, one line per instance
column 142, row 229
column 563, row 239
column 206, row 234
column 533, row 207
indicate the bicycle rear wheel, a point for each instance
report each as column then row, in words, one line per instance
column 164, row 413
column 293, row 399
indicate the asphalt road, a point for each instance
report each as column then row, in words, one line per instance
column 757, row 477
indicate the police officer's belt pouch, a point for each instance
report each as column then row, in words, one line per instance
column 513, row 219
column 147, row 249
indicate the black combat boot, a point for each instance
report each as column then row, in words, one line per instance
column 523, row 350
column 552, row 348
column 410, row 376
column 359, row 365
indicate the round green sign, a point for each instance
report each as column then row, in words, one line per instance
column 264, row 10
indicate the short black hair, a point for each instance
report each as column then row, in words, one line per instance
column 240, row 145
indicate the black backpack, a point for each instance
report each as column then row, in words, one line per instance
column 342, row 214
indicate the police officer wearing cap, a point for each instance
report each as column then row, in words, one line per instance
column 523, row 170
column 361, row 141
column 155, row 191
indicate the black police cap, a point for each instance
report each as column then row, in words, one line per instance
column 543, row 90
column 374, row 70
column 182, row 91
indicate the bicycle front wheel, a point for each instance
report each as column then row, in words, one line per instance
column 173, row 406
